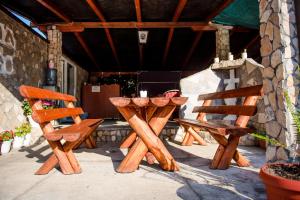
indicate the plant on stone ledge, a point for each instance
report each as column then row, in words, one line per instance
column 26, row 108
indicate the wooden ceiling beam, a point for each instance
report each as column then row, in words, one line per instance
column 138, row 11
column 101, row 17
column 203, row 26
column 198, row 36
column 52, row 7
column 178, row 11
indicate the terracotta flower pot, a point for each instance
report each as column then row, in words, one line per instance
column 278, row 187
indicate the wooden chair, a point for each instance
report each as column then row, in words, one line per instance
column 227, row 149
column 73, row 135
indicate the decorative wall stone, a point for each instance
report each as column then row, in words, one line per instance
column 23, row 58
column 222, row 43
column 279, row 51
column 117, row 135
column 54, row 37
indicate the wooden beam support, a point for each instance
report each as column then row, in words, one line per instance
column 55, row 10
column 178, row 11
column 198, row 36
column 138, row 11
column 99, row 14
column 204, row 26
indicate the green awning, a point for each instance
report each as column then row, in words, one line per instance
column 240, row 13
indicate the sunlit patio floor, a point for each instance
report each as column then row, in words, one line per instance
column 99, row 180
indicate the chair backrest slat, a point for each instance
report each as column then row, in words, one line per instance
column 229, row 110
column 38, row 93
column 241, row 92
column 41, row 116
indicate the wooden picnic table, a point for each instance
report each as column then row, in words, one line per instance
column 147, row 117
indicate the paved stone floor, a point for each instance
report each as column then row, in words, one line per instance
column 100, row 181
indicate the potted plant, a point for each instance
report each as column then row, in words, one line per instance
column 28, row 112
column 7, row 138
column 282, row 180
column 20, row 133
column 27, row 131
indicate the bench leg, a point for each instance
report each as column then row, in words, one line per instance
column 185, row 139
column 196, row 136
column 68, row 154
column 229, row 151
column 222, row 160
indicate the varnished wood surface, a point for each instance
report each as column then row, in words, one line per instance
column 241, row 92
column 38, row 93
column 234, row 110
column 73, row 135
column 145, row 101
column 41, row 116
column 217, row 128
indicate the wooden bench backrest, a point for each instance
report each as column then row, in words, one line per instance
column 244, row 111
column 35, row 95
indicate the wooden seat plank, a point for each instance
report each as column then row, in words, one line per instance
column 217, row 128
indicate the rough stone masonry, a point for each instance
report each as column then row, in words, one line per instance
column 279, row 51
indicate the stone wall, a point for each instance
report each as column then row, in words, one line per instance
column 279, row 51
column 23, row 58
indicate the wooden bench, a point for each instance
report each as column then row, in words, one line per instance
column 73, row 135
column 227, row 149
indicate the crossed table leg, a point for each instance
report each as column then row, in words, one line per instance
column 148, row 139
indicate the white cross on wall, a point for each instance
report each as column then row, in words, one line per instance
column 230, row 86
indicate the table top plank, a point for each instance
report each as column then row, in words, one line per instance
column 140, row 101
column 145, row 101
column 120, row 101
column 179, row 100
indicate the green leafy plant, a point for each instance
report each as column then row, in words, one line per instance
column 26, row 108
column 23, row 130
column 48, row 105
column 263, row 136
column 7, row 135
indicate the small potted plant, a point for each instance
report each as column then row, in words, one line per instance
column 28, row 112
column 27, row 131
column 7, row 138
column 20, row 133
column 282, row 180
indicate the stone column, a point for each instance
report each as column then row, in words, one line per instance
column 222, row 43
column 279, row 51
column 55, row 51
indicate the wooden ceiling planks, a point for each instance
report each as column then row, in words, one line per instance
column 178, row 11
column 138, row 11
column 101, row 17
column 50, row 6
column 198, row 36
